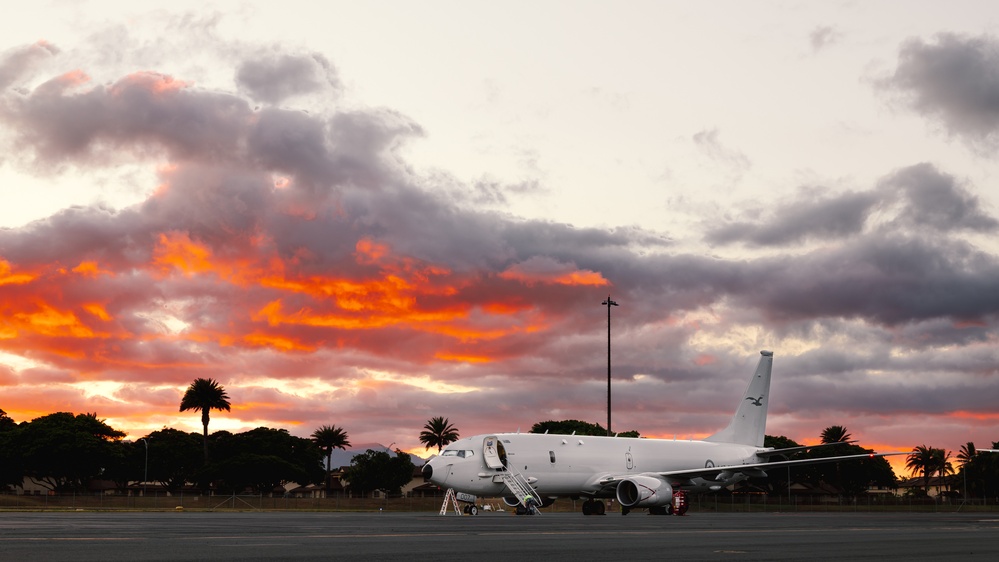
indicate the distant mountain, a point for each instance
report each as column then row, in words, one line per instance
column 343, row 458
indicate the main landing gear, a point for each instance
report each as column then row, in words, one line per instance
column 594, row 507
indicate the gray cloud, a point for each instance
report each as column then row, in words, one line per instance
column 917, row 198
column 822, row 37
column 953, row 80
column 886, row 279
column 275, row 77
column 707, row 141
column 932, row 199
column 16, row 63
column 815, row 216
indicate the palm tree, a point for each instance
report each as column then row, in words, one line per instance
column 943, row 465
column 438, row 432
column 329, row 437
column 966, row 453
column 205, row 395
column 835, row 434
column 922, row 460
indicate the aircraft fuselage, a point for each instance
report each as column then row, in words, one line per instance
column 573, row 465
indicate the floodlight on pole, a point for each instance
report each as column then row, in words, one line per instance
column 145, row 471
column 608, row 303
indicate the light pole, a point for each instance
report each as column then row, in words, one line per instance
column 608, row 303
column 145, row 470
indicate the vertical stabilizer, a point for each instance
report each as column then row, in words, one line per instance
column 750, row 421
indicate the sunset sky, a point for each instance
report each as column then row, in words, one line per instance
column 368, row 214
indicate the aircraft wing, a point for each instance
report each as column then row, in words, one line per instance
column 777, row 452
column 987, row 450
column 755, row 470
column 758, row 468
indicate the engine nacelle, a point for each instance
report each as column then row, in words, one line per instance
column 644, row 491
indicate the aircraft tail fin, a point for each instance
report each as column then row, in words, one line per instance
column 750, row 421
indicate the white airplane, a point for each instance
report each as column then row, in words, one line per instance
column 529, row 470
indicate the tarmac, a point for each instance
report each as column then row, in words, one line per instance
column 188, row 535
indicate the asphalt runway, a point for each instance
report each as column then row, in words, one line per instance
column 105, row 536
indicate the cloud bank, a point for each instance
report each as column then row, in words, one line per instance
column 297, row 258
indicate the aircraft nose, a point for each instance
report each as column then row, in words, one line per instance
column 428, row 472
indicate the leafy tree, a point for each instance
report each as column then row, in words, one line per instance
column 438, row 432
column 11, row 462
column 568, row 427
column 835, row 434
column 6, row 423
column 175, row 457
column 205, row 395
column 377, row 470
column 64, row 452
column 327, row 438
column 981, row 471
column 125, row 465
column 262, row 459
column 853, row 477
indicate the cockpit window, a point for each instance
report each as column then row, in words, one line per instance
column 457, row 453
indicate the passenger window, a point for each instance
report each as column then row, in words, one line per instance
column 551, row 455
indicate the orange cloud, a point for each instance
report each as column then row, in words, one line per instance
column 152, row 81
column 98, row 311
column 90, row 269
column 49, row 321
column 705, row 359
column 444, row 356
column 176, row 250
column 279, row 342
column 8, row 277
column 549, row 271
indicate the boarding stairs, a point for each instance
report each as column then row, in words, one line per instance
column 522, row 490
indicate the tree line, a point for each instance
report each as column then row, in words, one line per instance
column 63, row 452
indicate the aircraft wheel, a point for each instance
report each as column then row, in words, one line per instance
column 588, row 507
column 473, row 510
column 601, row 508
column 520, row 510
column 669, row 510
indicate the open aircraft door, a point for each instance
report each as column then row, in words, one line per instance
column 493, row 452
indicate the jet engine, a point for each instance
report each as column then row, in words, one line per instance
column 644, row 491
